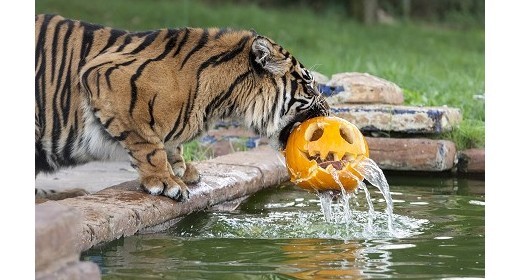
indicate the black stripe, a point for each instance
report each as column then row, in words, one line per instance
column 169, row 46
column 209, row 109
column 175, row 125
column 67, row 90
column 202, row 41
column 69, row 146
column 183, row 41
column 150, row 155
column 221, row 32
column 87, row 40
column 128, row 40
column 227, row 56
column 108, row 122
column 217, row 102
column 112, row 68
column 274, row 106
column 146, row 42
column 57, row 115
column 222, row 57
column 151, row 105
column 122, row 136
column 114, row 35
column 187, row 112
column 54, row 48
column 84, row 77
column 61, row 85
column 56, row 127
column 97, row 83
column 40, row 81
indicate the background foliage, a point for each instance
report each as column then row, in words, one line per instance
column 434, row 50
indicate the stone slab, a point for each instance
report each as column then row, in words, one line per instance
column 402, row 119
column 56, row 246
column 353, row 87
column 124, row 209
column 412, row 154
column 472, row 161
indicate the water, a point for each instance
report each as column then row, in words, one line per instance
column 281, row 233
column 374, row 175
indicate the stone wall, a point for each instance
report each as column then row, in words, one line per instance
column 404, row 138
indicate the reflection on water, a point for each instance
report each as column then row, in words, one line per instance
column 280, row 233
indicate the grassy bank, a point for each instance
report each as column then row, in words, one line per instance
column 435, row 66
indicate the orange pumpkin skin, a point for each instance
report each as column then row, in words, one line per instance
column 316, row 145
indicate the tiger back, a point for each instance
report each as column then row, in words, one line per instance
column 106, row 94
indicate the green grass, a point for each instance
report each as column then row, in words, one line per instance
column 435, row 66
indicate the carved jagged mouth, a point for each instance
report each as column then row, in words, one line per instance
column 330, row 159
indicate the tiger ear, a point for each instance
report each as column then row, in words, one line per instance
column 268, row 57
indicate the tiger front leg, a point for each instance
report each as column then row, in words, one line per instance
column 148, row 156
column 156, row 173
column 181, row 168
column 134, row 113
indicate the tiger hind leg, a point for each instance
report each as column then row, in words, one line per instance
column 42, row 195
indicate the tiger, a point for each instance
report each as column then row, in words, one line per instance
column 104, row 93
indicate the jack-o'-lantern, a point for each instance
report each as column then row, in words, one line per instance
column 324, row 147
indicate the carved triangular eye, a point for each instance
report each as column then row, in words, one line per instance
column 313, row 133
column 346, row 134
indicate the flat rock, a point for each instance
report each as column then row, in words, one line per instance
column 356, row 87
column 125, row 209
column 403, row 119
column 472, row 161
column 56, row 245
column 412, row 154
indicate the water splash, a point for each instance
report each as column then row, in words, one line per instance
column 374, row 175
column 291, row 222
column 326, row 204
column 371, row 212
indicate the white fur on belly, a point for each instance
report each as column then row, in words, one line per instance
column 96, row 141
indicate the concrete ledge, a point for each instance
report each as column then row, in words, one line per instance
column 404, row 119
column 56, row 246
column 419, row 154
column 124, row 209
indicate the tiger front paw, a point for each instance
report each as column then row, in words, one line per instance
column 191, row 175
column 171, row 187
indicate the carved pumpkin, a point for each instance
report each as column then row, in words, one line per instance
column 321, row 147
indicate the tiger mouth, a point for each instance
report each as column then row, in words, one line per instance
column 331, row 158
column 286, row 132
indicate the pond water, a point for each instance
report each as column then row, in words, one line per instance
column 281, row 233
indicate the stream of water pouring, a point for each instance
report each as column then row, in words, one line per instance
column 374, row 175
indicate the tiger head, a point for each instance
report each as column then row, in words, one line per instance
column 288, row 94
